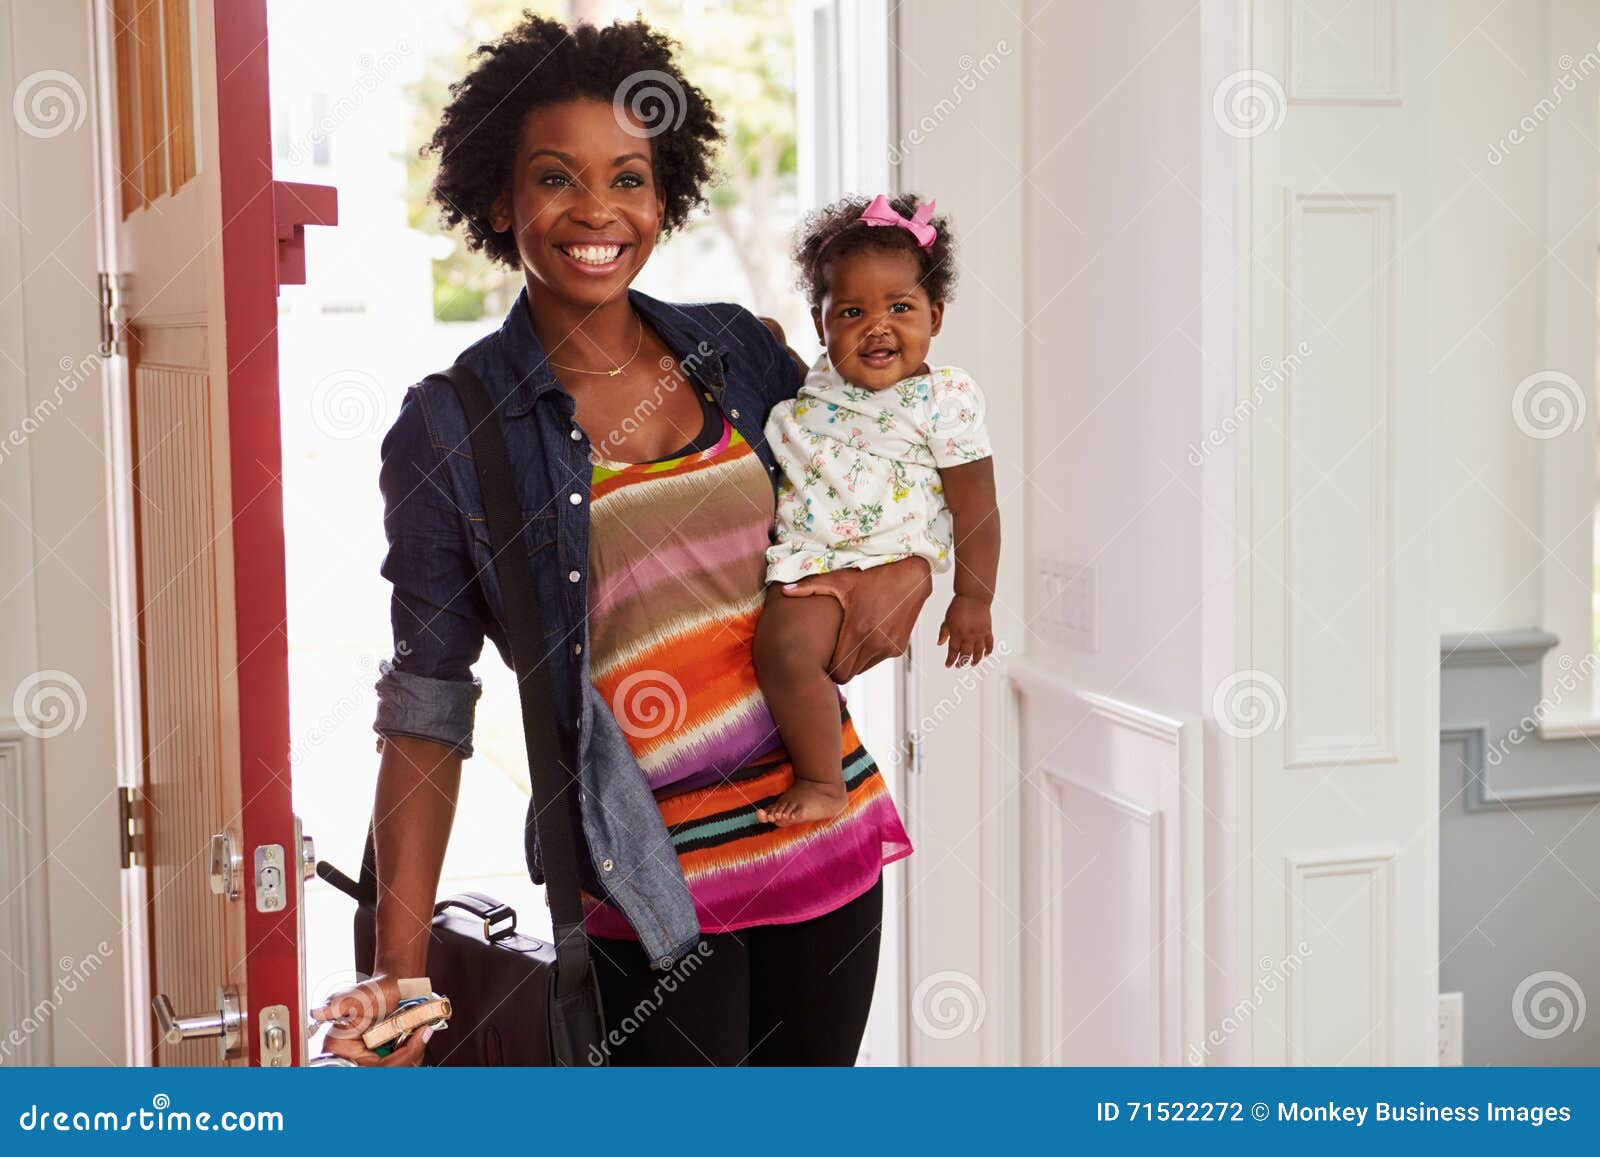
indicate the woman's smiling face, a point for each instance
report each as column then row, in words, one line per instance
column 583, row 201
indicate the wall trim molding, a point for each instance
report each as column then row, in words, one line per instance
column 1516, row 646
column 1031, row 678
column 1479, row 792
column 1183, row 911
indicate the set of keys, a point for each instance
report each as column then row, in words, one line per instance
column 419, row 1008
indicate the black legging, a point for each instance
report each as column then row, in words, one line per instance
column 776, row 994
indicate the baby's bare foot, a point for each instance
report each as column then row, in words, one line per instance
column 806, row 802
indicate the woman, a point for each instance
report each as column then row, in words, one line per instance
column 635, row 428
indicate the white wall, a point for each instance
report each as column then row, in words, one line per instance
column 1092, row 201
column 1486, row 262
column 1512, row 264
column 1114, row 295
column 1130, row 298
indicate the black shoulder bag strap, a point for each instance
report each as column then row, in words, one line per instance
column 553, row 810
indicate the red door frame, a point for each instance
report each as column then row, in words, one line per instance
column 257, row 212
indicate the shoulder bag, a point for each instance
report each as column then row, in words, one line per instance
column 515, row 1000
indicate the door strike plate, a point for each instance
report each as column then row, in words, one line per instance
column 271, row 879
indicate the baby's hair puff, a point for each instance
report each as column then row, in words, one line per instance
column 837, row 230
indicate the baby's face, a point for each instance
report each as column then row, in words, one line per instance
column 875, row 317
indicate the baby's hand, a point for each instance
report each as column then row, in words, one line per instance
column 968, row 630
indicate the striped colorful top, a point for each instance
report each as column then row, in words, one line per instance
column 678, row 561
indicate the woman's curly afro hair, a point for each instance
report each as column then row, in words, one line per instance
column 541, row 62
column 836, row 230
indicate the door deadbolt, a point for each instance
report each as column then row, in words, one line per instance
column 226, row 864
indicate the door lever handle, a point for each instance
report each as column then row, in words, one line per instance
column 226, row 1024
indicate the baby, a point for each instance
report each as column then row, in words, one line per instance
column 883, row 458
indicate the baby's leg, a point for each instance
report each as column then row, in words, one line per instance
column 794, row 642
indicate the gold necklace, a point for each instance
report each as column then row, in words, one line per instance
column 637, row 346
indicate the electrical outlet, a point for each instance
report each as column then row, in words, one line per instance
column 1069, row 604
column 1452, row 1027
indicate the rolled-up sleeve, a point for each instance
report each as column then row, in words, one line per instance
column 436, row 607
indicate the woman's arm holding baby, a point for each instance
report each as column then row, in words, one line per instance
column 881, row 605
column 968, row 628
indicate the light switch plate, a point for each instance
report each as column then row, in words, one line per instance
column 1069, row 604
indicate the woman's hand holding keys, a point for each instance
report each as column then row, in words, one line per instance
column 352, row 1011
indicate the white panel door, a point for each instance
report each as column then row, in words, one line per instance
column 1336, row 700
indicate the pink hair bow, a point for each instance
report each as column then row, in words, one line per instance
column 880, row 212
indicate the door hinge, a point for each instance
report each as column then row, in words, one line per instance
column 130, row 826
column 913, row 752
column 111, row 286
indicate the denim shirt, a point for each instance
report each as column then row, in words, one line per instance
column 446, row 596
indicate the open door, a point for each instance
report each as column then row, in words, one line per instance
column 196, row 238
